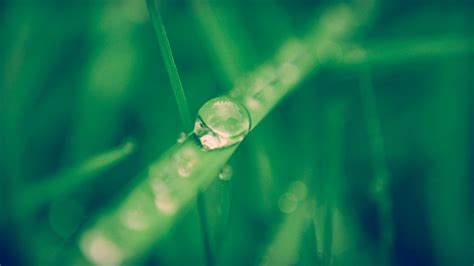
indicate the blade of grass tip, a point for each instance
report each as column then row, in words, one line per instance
column 205, row 234
column 380, row 183
column 70, row 179
column 145, row 214
column 170, row 64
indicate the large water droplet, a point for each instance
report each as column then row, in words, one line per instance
column 221, row 122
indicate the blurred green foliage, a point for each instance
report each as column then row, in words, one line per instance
column 368, row 162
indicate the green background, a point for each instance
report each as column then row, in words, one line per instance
column 386, row 146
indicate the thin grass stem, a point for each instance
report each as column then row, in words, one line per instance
column 381, row 180
column 170, row 64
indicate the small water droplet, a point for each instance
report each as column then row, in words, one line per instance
column 163, row 198
column 226, row 173
column 221, row 122
column 288, row 202
column 182, row 137
column 184, row 162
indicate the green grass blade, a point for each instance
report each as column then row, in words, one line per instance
column 286, row 243
column 400, row 51
column 70, row 179
column 170, row 64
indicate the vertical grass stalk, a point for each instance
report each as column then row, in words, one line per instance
column 170, row 64
column 381, row 180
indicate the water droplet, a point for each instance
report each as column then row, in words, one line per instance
column 182, row 137
column 163, row 198
column 221, row 122
column 100, row 250
column 226, row 173
column 185, row 161
column 288, row 202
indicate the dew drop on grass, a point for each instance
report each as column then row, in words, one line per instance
column 185, row 161
column 182, row 137
column 226, row 173
column 288, row 202
column 163, row 198
column 221, row 122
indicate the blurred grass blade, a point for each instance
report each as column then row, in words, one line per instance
column 223, row 51
column 170, row 64
column 334, row 121
column 399, row 51
column 205, row 234
column 71, row 179
column 148, row 211
column 285, row 245
column 380, row 183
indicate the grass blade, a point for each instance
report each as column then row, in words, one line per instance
column 380, row 183
column 399, row 51
column 70, row 179
column 170, row 64
column 284, row 247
